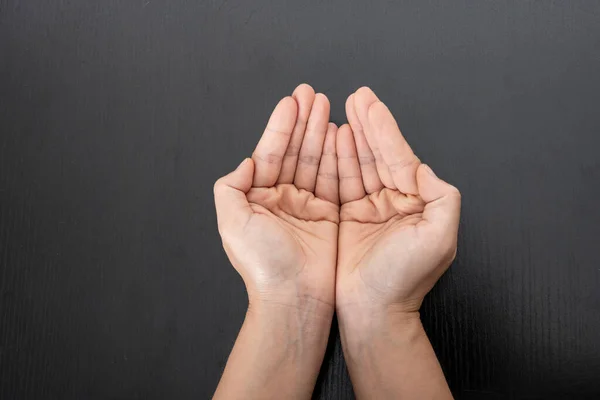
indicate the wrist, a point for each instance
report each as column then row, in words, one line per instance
column 279, row 349
column 294, row 336
column 290, row 299
column 304, row 314
column 361, row 327
column 388, row 355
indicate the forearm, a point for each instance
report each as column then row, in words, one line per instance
column 278, row 352
column 389, row 356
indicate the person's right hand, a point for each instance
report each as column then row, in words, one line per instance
column 398, row 220
column 278, row 212
column 278, row 216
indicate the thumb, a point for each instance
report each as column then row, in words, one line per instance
column 442, row 207
column 230, row 196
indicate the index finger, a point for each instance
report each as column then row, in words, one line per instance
column 271, row 148
column 395, row 151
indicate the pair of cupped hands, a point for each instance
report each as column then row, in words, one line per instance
column 346, row 219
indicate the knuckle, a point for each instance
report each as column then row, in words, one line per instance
column 309, row 159
column 269, row 158
column 401, row 164
column 277, row 131
column 376, row 153
column 349, row 177
column 292, row 150
column 328, row 175
column 366, row 160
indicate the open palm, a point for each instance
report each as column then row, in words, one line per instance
column 278, row 213
column 398, row 221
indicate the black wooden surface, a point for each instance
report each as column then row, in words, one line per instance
column 116, row 117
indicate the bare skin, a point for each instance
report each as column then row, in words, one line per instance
column 302, row 256
column 397, row 236
column 278, row 216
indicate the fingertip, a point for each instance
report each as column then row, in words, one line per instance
column 288, row 102
column 442, row 208
column 304, row 95
column 240, row 178
column 304, row 88
column 350, row 103
column 362, row 89
column 327, row 185
column 286, row 112
column 365, row 92
column 304, row 91
column 345, row 146
column 350, row 180
column 431, row 187
column 311, row 150
column 344, row 132
column 363, row 99
column 378, row 114
column 425, row 173
column 322, row 100
column 319, row 112
column 377, row 107
column 247, row 164
column 329, row 146
column 351, row 114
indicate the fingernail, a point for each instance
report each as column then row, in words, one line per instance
column 430, row 171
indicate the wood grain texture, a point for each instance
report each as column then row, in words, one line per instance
column 116, row 117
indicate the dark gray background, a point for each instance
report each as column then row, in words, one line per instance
column 116, row 117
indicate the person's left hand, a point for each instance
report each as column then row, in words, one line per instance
column 399, row 221
column 278, row 212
